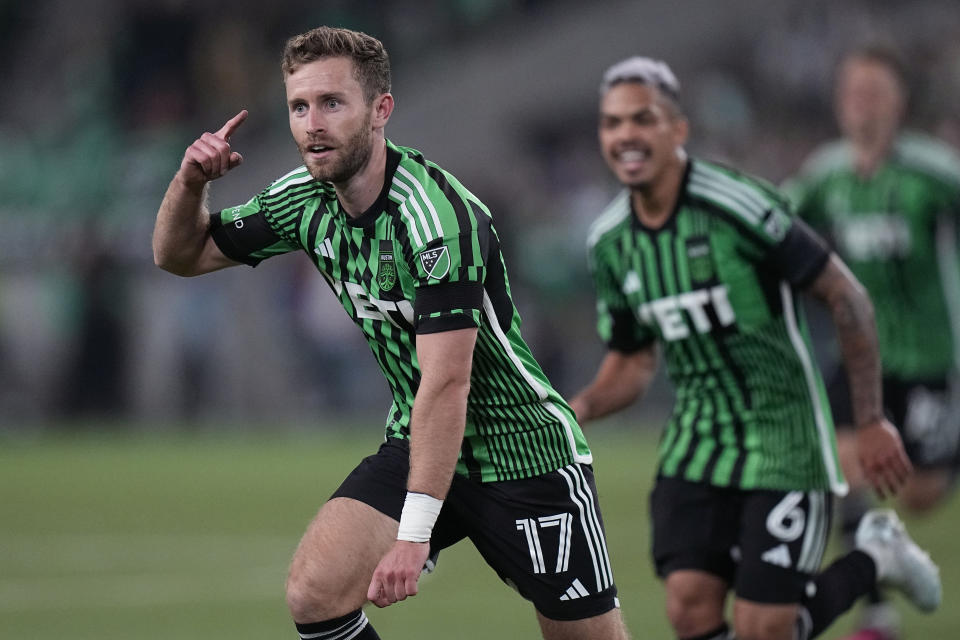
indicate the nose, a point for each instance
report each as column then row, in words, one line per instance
column 316, row 123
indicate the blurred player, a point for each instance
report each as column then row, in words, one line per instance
column 708, row 262
column 477, row 443
column 890, row 203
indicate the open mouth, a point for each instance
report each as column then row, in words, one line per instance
column 632, row 158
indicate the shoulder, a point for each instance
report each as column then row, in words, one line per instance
column 610, row 221
column 826, row 159
column 297, row 183
column 431, row 202
column 417, row 176
column 724, row 189
column 929, row 156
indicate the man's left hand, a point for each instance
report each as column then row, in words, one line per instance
column 396, row 575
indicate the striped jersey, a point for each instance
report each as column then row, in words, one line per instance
column 716, row 286
column 423, row 258
column 898, row 230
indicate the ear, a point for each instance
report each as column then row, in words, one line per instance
column 382, row 108
column 681, row 130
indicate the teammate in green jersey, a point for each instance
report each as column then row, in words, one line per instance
column 478, row 443
column 890, row 203
column 708, row 262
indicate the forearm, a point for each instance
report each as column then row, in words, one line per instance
column 181, row 230
column 620, row 381
column 857, row 337
column 436, row 432
column 852, row 314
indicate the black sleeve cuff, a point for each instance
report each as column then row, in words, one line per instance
column 802, row 255
column 622, row 336
column 446, row 297
column 238, row 243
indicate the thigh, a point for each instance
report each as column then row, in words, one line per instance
column 543, row 536
column 768, row 621
column 782, row 542
column 695, row 527
column 606, row 626
column 333, row 564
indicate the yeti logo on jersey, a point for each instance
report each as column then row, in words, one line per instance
column 386, row 269
column 436, row 262
column 668, row 313
column 877, row 236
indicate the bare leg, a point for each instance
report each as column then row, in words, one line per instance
column 695, row 602
column 607, row 626
column 332, row 566
column 756, row 621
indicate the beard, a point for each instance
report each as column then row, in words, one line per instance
column 352, row 156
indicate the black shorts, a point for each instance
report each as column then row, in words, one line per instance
column 766, row 544
column 925, row 412
column 542, row 535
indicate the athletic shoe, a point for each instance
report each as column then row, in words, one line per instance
column 901, row 564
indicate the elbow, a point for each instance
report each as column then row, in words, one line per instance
column 168, row 264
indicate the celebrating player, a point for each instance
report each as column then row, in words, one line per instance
column 889, row 201
column 478, row 443
column 708, row 262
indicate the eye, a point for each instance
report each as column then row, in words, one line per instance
column 299, row 108
column 332, row 103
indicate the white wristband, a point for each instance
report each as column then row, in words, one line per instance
column 419, row 514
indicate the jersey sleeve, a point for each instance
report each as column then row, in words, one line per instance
column 616, row 324
column 804, row 194
column 246, row 233
column 449, row 270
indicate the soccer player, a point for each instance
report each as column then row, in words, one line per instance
column 708, row 262
column 890, row 203
column 478, row 444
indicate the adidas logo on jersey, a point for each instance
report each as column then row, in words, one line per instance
column 576, row 590
column 325, row 249
column 779, row 555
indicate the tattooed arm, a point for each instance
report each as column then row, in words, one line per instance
column 880, row 449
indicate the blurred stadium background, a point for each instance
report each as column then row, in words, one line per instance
column 152, row 430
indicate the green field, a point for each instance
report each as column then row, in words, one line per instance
column 184, row 536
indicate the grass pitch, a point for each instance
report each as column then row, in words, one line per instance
column 188, row 536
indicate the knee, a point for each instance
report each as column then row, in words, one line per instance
column 775, row 624
column 691, row 611
column 309, row 598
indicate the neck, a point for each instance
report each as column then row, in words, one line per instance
column 869, row 154
column 357, row 194
column 653, row 203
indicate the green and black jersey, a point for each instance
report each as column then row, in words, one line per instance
column 716, row 286
column 424, row 258
column 898, row 230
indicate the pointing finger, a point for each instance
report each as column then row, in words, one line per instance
column 232, row 125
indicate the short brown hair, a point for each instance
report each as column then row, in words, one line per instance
column 371, row 65
column 883, row 54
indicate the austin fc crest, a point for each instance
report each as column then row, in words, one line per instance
column 386, row 269
column 699, row 260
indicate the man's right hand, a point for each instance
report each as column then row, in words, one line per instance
column 210, row 156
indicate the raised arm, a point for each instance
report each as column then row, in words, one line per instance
column 181, row 237
column 620, row 380
column 436, row 433
column 879, row 447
